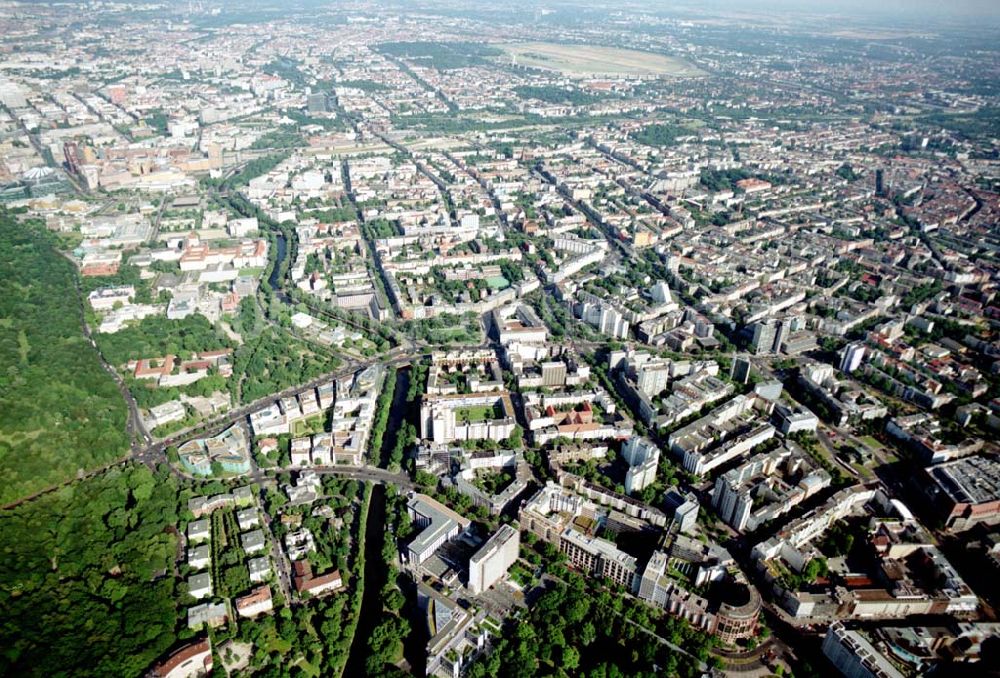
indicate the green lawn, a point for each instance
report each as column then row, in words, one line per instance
column 863, row 470
column 474, row 413
column 309, row 426
column 306, row 667
column 275, row 643
column 497, row 282
column 251, row 271
column 448, row 331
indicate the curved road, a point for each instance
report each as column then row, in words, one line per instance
column 134, row 427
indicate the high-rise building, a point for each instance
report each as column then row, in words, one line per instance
column 660, row 293
column 703, row 327
column 606, row 319
column 493, row 560
column 741, row 369
column 733, row 501
column 652, row 378
column 641, row 476
column 851, row 357
column 316, row 103
column 685, row 509
column 880, row 182
column 649, row 589
column 553, row 373
column 763, row 337
column 643, row 458
column 72, row 154
column 779, row 336
column 768, row 336
column 636, row 449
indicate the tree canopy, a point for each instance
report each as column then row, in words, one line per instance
column 573, row 631
column 85, row 582
column 61, row 410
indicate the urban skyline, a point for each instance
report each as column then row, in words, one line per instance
column 522, row 339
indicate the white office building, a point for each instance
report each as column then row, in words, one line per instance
column 492, row 561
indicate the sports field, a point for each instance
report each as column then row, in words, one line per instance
column 588, row 61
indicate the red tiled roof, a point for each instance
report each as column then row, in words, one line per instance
column 143, row 367
column 258, row 595
column 182, row 655
column 310, row 583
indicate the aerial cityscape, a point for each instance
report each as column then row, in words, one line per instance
column 544, row 338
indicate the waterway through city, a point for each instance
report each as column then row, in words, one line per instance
column 375, row 534
column 282, row 251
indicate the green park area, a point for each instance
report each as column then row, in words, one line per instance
column 62, row 413
column 82, row 582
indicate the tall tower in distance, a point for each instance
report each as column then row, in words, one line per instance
column 71, row 152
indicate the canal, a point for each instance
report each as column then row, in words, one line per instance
column 276, row 271
column 374, row 573
column 375, row 534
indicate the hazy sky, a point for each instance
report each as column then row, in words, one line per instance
column 905, row 9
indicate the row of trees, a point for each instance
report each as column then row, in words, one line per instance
column 229, row 572
column 405, row 437
column 382, row 408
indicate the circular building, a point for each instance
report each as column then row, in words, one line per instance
column 739, row 609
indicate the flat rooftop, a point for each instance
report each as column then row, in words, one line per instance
column 972, row 480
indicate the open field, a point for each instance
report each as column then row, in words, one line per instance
column 583, row 61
